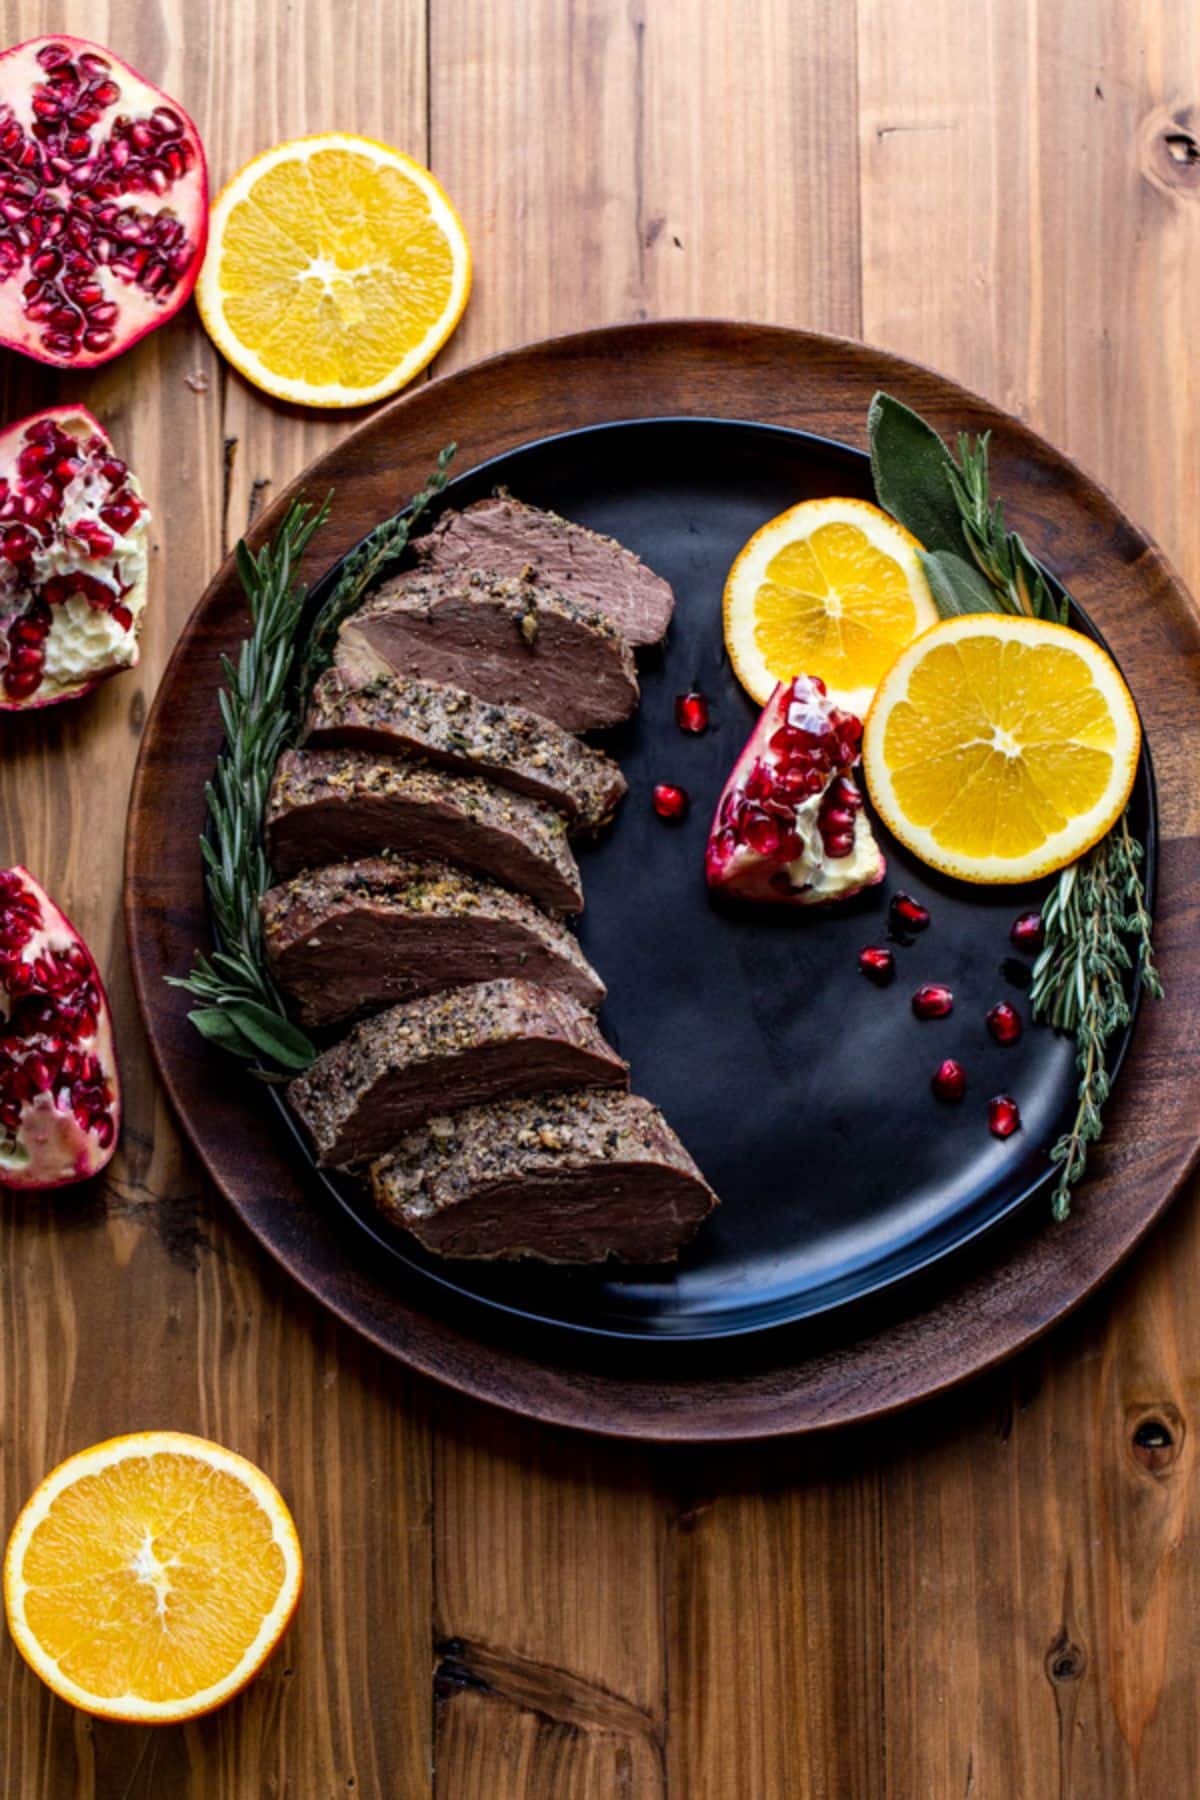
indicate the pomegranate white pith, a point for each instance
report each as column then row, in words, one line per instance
column 73, row 529
column 103, row 203
column 790, row 825
column 60, row 1097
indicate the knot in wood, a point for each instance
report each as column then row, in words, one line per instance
column 1156, row 1436
column 1169, row 150
column 1066, row 1661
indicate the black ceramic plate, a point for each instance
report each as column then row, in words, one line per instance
column 801, row 1090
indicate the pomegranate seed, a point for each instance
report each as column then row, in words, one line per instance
column 20, row 683
column 932, row 1001
column 122, row 616
column 839, row 844
column 949, row 1081
column 53, row 56
column 1004, row 1023
column 671, row 802
column 17, row 545
column 1004, row 1116
column 1027, row 931
column 906, row 914
column 878, row 964
column 763, row 835
column 838, row 818
column 691, row 712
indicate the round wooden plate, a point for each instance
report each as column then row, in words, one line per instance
column 869, row 1361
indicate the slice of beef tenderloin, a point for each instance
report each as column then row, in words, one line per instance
column 509, row 538
column 359, row 936
column 510, row 641
column 452, row 729
column 330, row 806
column 570, row 1177
column 466, row 1047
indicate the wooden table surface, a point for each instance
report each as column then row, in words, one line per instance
column 997, row 1597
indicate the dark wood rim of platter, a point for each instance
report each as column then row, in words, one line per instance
column 791, row 1380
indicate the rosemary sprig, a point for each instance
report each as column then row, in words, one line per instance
column 386, row 544
column 262, row 703
column 1016, row 578
column 1095, row 911
column 243, row 1012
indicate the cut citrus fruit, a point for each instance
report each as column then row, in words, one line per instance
column 151, row 1576
column 830, row 588
column 336, row 269
column 1000, row 749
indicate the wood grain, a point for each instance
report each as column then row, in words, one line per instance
column 994, row 1599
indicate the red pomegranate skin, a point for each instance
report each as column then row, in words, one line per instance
column 791, row 814
column 104, row 215
column 73, row 545
column 60, row 1091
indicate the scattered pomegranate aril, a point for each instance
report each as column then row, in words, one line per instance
column 1004, row 1116
column 691, row 712
column 671, row 802
column 60, row 1100
column 85, row 194
column 949, row 1081
column 60, row 559
column 932, row 1001
column 1004, row 1023
column 906, row 916
column 1027, row 932
column 791, row 812
column 878, row 964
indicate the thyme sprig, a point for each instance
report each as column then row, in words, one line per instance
column 1098, row 927
column 243, row 1011
column 1094, row 915
column 385, row 545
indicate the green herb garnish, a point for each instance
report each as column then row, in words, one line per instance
column 972, row 561
column 386, row 545
column 1097, row 925
column 1095, row 914
column 262, row 705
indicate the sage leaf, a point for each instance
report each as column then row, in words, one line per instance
column 272, row 1035
column 912, row 470
column 217, row 1024
column 957, row 586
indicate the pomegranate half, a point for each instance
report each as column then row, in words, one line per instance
column 60, row 1094
column 73, row 529
column 103, row 203
column 790, row 824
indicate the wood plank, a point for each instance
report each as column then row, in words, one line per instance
column 138, row 1302
column 1027, row 228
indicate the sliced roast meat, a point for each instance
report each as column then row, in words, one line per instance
column 510, row 746
column 466, row 1047
column 570, row 1177
column 329, row 806
column 511, row 641
column 509, row 538
column 359, row 936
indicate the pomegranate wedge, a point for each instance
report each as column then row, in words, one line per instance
column 60, row 1095
column 73, row 529
column 790, row 825
column 103, row 203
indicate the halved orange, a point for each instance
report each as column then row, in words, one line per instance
column 1001, row 748
column 831, row 588
column 150, row 1577
column 336, row 269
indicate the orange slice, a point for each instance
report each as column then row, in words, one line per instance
column 831, row 588
column 1000, row 749
column 150, row 1577
column 336, row 269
